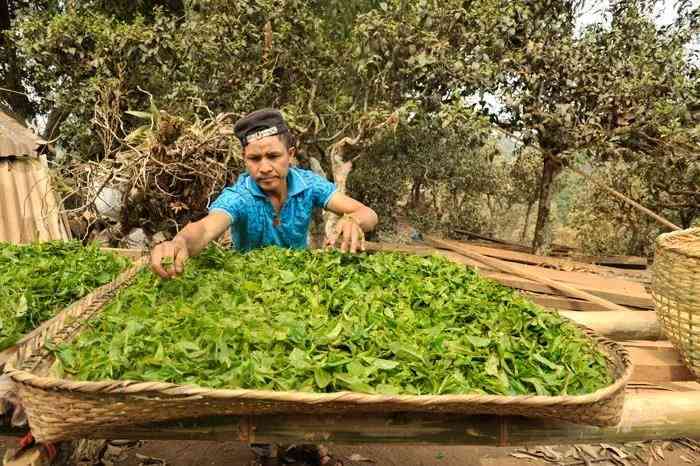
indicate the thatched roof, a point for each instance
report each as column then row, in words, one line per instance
column 16, row 140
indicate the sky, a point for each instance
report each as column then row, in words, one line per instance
column 665, row 12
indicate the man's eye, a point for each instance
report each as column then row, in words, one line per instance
column 254, row 159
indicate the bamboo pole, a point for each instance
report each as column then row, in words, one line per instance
column 645, row 416
column 503, row 266
column 626, row 199
column 627, row 325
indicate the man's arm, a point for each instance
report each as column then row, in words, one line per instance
column 357, row 218
column 187, row 243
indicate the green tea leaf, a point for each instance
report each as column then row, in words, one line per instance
column 322, row 321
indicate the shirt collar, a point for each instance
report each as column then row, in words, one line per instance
column 295, row 184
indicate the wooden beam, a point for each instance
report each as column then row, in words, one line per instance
column 647, row 415
column 564, row 288
column 633, row 262
column 623, row 198
column 626, row 325
column 617, row 290
column 558, row 263
column 529, row 285
column 563, row 302
column 658, row 364
column 623, row 292
column 491, row 239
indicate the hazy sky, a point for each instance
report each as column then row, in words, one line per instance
column 595, row 10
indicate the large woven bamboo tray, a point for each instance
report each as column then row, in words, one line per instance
column 676, row 291
column 62, row 409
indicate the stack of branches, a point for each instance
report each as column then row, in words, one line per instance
column 157, row 178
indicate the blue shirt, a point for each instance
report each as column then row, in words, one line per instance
column 252, row 214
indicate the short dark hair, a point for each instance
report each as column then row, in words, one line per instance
column 288, row 139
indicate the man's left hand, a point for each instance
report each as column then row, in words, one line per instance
column 350, row 234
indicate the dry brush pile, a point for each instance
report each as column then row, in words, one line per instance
column 157, row 178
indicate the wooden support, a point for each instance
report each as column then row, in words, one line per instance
column 511, row 245
column 647, row 415
column 505, row 267
column 627, row 325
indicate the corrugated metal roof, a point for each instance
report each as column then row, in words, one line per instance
column 28, row 206
column 16, row 139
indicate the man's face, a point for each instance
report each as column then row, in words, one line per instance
column 267, row 161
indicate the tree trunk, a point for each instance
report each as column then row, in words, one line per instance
column 316, row 231
column 527, row 221
column 341, row 169
column 416, row 192
column 542, row 240
column 53, row 123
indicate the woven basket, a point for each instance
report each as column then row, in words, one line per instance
column 61, row 409
column 676, row 291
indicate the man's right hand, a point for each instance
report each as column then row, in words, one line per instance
column 174, row 253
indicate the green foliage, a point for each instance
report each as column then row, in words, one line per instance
column 604, row 224
column 619, row 90
column 323, row 321
column 37, row 281
column 440, row 168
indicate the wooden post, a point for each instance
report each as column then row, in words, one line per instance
column 627, row 325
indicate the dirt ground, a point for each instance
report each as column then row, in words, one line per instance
column 185, row 453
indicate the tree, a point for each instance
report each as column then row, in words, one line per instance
column 96, row 63
column 624, row 90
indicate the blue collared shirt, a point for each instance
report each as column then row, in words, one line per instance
column 252, row 214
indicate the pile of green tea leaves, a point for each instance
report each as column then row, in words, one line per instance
column 39, row 280
column 325, row 321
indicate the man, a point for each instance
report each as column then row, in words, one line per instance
column 270, row 204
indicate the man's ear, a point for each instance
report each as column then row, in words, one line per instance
column 292, row 151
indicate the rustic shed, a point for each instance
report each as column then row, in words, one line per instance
column 29, row 210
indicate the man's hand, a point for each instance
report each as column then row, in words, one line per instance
column 348, row 230
column 168, row 258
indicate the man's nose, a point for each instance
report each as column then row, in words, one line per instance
column 265, row 166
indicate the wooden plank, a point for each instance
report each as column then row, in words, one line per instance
column 491, row 239
column 586, row 281
column 634, row 262
column 629, row 293
column 509, row 244
column 519, row 270
column 562, row 264
column 563, row 302
column 623, row 297
column 647, row 415
column 532, row 259
column 658, row 365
